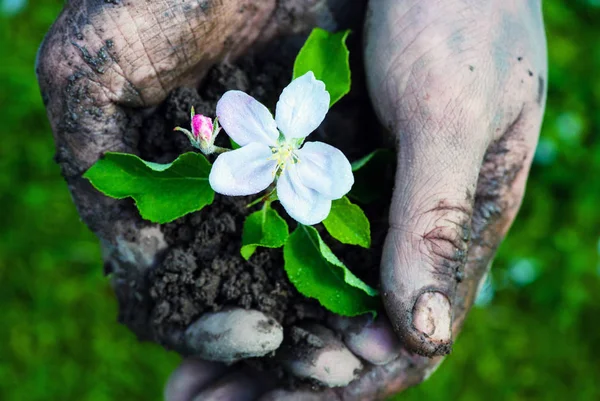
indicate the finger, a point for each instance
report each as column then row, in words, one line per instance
column 241, row 385
column 444, row 120
column 432, row 205
column 100, row 56
column 380, row 382
column 493, row 213
column 231, row 335
column 314, row 352
column 283, row 395
column 100, row 64
column 372, row 340
column 190, row 377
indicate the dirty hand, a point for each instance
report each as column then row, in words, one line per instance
column 460, row 83
column 462, row 87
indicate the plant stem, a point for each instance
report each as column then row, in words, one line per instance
column 219, row 150
column 268, row 198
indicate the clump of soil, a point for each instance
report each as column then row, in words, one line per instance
column 203, row 270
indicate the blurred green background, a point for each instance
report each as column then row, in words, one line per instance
column 533, row 336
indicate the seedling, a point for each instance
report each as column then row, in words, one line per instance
column 271, row 160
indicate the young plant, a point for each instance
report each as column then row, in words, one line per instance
column 308, row 176
column 309, row 179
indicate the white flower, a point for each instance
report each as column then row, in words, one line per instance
column 308, row 178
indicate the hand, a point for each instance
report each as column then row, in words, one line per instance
column 462, row 87
column 446, row 79
column 103, row 68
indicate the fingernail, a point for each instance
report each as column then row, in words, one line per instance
column 432, row 316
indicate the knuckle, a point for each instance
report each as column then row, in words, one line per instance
column 74, row 73
column 446, row 242
column 79, row 54
column 445, row 239
column 66, row 64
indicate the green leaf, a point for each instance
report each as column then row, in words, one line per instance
column 326, row 55
column 360, row 163
column 348, row 224
column 263, row 228
column 373, row 176
column 317, row 273
column 348, row 276
column 234, row 144
column 162, row 192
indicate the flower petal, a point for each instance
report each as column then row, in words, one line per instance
column 303, row 204
column 302, row 106
column 202, row 127
column 243, row 171
column 325, row 169
column 246, row 120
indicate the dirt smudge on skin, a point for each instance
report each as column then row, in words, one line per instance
column 99, row 61
column 494, row 199
column 540, row 92
column 202, row 269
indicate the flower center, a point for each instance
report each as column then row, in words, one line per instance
column 283, row 154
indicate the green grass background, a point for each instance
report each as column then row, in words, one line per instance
column 534, row 336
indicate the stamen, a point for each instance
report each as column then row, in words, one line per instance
column 283, row 154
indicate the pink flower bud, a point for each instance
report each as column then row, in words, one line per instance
column 202, row 127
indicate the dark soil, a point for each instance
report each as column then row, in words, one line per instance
column 203, row 269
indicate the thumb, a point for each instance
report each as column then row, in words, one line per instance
column 440, row 117
column 426, row 246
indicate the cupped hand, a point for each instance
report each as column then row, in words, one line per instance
column 103, row 68
column 460, row 84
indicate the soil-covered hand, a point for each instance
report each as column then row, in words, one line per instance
column 103, row 69
column 460, row 83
